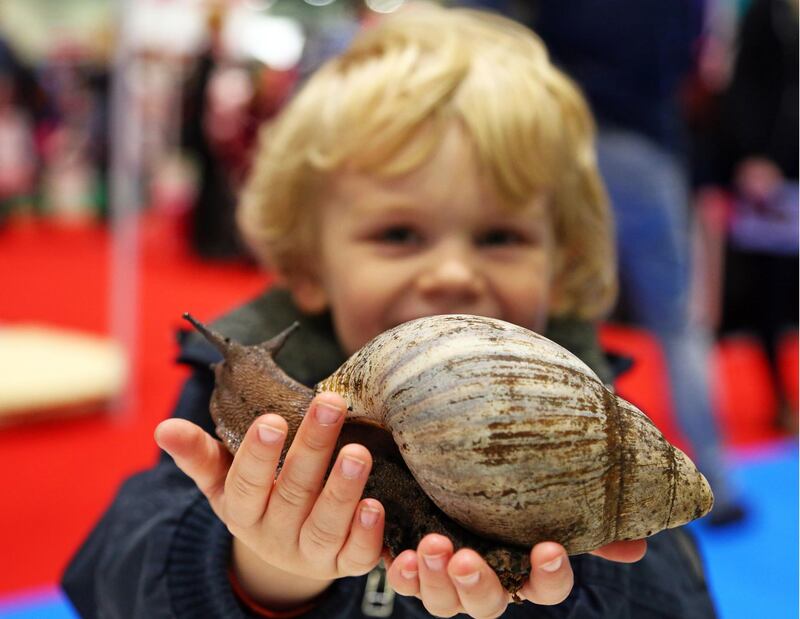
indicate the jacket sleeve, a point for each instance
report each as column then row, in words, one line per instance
column 159, row 550
column 134, row 563
column 668, row 582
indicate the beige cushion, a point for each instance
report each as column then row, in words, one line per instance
column 47, row 370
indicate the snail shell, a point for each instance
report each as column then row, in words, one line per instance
column 508, row 433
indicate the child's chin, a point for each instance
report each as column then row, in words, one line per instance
column 443, row 312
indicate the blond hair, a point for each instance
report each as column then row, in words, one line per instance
column 382, row 108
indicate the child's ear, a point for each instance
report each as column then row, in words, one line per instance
column 308, row 293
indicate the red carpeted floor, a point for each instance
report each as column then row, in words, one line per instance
column 59, row 475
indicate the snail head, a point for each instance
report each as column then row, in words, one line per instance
column 249, row 383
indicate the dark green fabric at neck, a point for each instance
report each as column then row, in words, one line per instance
column 312, row 353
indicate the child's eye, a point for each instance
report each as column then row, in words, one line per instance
column 398, row 235
column 500, row 238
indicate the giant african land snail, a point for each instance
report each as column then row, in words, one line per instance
column 511, row 436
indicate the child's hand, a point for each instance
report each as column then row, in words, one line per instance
column 463, row 582
column 294, row 536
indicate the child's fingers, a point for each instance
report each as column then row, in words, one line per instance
column 403, row 573
column 437, row 591
column 478, row 587
column 252, row 473
column 623, row 551
column 551, row 577
column 325, row 530
column 198, row 455
column 300, row 479
column 364, row 545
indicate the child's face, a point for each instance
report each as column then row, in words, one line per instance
column 432, row 242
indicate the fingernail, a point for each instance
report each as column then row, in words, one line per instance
column 368, row 516
column 269, row 435
column 351, row 467
column 467, row 579
column 552, row 566
column 435, row 563
column 409, row 574
column 327, row 415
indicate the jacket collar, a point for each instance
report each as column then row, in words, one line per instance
column 312, row 352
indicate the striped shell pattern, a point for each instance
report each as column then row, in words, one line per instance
column 515, row 438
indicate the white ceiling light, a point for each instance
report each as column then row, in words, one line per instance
column 275, row 41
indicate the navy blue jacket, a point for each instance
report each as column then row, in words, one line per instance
column 159, row 550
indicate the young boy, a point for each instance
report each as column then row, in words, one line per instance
column 440, row 165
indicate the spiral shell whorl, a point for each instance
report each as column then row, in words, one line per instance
column 502, row 427
column 434, row 378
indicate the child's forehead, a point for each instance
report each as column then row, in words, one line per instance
column 362, row 197
column 440, row 161
column 450, row 171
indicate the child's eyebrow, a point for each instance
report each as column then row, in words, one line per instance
column 383, row 204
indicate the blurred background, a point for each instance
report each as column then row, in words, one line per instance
column 127, row 127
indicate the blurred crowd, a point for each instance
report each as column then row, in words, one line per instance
column 696, row 104
column 53, row 127
column 56, row 122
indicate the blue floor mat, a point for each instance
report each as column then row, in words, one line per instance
column 37, row 604
column 752, row 567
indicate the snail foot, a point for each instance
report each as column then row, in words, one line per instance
column 410, row 515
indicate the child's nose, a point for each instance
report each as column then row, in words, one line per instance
column 453, row 275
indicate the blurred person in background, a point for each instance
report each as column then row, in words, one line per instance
column 212, row 117
column 18, row 155
column 225, row 101
column 757, row 158
column 630, row 57
column 73, row 133
column 17, row 152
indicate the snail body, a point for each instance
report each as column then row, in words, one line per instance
column 509, row 434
